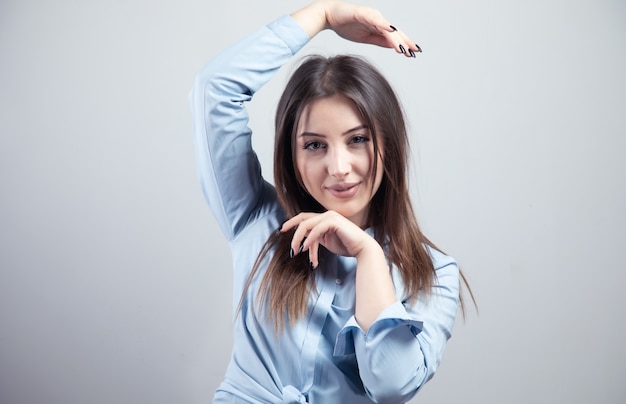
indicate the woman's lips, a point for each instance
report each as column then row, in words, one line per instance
column 344, row 190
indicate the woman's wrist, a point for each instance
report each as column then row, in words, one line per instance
column 312, row 18
column 372, row 252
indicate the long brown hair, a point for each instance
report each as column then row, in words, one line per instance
column 288, row 282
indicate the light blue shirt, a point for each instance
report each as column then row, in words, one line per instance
column 325, row 357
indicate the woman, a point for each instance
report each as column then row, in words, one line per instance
column 347, row 302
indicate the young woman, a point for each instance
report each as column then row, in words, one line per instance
column 341, row 298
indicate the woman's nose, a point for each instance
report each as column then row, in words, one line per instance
column 338, row 163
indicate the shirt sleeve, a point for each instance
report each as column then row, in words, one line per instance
column 227, row 167
column 404, row 346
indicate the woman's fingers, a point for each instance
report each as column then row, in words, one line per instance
column 403, row 44
column 300, row 233
column 329, row 229
column 314, row 255
column 356, row 23
column 311, row 234
column 302, row 241
column 396, row 39
column 368, row 25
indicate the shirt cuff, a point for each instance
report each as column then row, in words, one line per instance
column 290, row 32
column 390, row 318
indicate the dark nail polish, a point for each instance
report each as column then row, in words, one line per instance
column 411, row 53
column 301, row 245
column 291, row 253
column 402, row 49
column 311, row 265
column 418, row 48
column 393, row 28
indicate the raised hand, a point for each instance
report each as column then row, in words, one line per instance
column 356, row 23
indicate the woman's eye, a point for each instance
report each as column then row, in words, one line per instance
column 359, row 139
column 313, row 145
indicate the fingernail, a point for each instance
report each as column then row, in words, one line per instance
column 411, row 53
column 393, row 28
column 291, row 253
column 301, row 245
column 311, row 265
column 418, row 48
column 402, row 49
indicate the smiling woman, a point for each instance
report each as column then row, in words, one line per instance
column 334, row 158
column 342, row 298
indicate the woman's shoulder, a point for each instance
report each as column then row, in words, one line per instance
column 439, row 258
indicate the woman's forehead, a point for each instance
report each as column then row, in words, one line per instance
column 331, row 113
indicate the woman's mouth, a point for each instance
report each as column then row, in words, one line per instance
column 344, row 190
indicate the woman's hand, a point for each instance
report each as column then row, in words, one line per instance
column 374, row 286
column 330, row 229
column 354, row 22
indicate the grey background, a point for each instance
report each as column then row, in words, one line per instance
column 115, row 279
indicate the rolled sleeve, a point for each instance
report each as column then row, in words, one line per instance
column 289, row 32
column 404, row 346
column 392, row 317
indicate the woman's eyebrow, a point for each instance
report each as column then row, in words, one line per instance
column 347, row 132
column 311, row 134
column 359, row 127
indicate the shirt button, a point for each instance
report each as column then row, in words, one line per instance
column 338, row 281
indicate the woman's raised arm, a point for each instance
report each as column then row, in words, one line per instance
column 355, row 23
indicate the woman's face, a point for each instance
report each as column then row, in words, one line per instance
column 335, row 157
